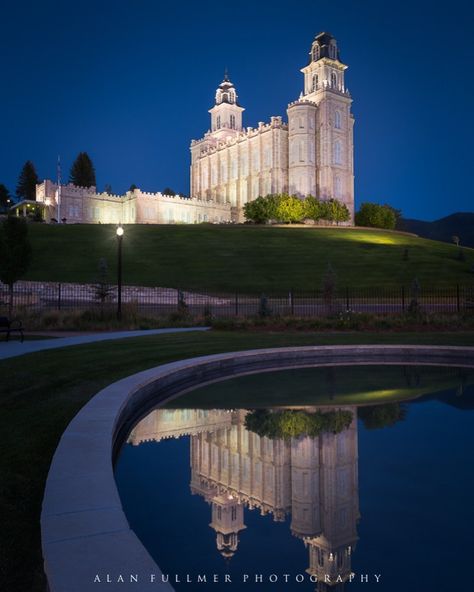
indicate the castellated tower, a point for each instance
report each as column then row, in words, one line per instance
column 321, row 157
column 302, row 121
column 227, row 521
column 226, row 114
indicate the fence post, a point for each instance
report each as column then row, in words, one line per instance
column 347, row 298
column 59, row 296
column 458, row 300
column 236, row 304
column 403, row 298
column 292, row 303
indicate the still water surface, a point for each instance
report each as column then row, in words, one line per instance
column 337, row 474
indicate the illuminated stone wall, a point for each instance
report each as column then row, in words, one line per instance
column 84, row 205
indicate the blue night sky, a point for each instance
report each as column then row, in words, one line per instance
column 130, row 82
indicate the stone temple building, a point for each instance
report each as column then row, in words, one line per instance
column 312, row 480
column 312, row 154
column 231, row 165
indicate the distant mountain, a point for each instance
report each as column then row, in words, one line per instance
column 460, row 224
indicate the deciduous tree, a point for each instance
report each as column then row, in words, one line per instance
column 376, row 216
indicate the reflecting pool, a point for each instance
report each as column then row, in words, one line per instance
column 327, row 479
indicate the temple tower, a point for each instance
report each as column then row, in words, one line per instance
column 226, row 114
column 321, row 129
column 227, row 521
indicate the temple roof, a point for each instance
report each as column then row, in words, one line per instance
column 323, row 40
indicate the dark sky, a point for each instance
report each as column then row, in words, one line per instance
column 130, row 82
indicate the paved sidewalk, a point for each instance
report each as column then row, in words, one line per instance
column 12, row 349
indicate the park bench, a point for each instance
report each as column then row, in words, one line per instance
column 7, row 326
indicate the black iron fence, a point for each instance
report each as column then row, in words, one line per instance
column 39, row 296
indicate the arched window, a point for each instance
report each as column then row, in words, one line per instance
column 320, row 557
column 314, row 85
column 337, row 187
column 333, row 79
column 337, row 120
column 301, row 151
column 337, row 152
column 218, row 123
column 315, row 52
column 333, row 51
column 232, row 122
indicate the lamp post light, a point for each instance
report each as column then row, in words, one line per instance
column 119, row 233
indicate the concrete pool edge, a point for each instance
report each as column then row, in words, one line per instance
column 84, row 531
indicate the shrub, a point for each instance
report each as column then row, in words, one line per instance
column 336, row 211
column 256, row 210
column 264, row 309
column 103, row 290
column 376, row 216
column 382, row 416
column 312, row 208
column 291, row 423
column 289, row 209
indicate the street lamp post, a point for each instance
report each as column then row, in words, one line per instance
column 119, row 233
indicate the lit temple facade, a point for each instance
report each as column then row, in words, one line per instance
column 81, row 205
column 313, row 480
column 231, row 165
column 312, row 154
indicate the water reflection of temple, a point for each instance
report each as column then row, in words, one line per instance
column 312, row 479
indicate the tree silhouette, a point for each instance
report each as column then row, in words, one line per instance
column 4, row 197
column 27, row 181
column 82, row 172
column 15, row 249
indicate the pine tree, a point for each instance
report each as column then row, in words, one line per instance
column 4, row 197
column 27, row 181
column 82, row 171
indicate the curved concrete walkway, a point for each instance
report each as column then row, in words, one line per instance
column 12, row 349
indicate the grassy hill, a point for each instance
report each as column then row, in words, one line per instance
column 245, row 258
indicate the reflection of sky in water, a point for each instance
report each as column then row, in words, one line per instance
column 291, row 506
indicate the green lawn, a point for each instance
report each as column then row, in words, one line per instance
column 245, row 258
column 40, row 393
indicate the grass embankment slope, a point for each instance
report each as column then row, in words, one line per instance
column 245, row 258
column 40, row 393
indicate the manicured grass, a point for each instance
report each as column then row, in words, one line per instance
column 245, row 258
column 40, row 393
